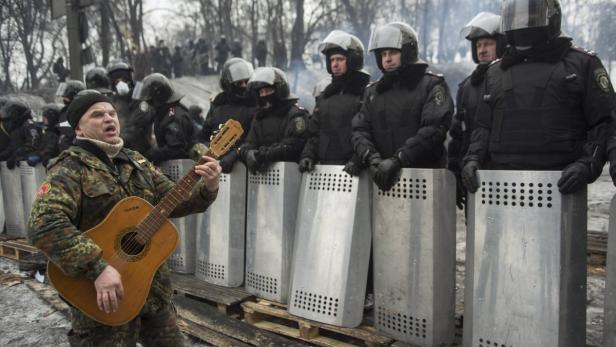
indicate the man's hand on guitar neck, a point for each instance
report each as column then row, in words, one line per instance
column 210, row 171
column 109, row 290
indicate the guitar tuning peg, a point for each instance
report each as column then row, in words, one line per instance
column 211, row 137
column 220, row 126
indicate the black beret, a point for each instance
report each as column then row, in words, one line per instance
column 81, row 104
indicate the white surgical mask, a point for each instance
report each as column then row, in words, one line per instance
column 122, row 88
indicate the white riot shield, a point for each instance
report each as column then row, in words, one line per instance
column 414, row 247
column 31, row 180
column 1, row 210
column 270, row 228
column 609, row 323
column 332, row 247
column 525, row 262
column 15, row 217
column 221, row 238
column 183, row 259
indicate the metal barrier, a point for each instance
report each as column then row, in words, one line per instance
column 525, row 262
column 221, row 238
column 270, row 228
column 414, row 257
column 332, row 247
column 183, row 259
column 15, row 217
column 609, row 323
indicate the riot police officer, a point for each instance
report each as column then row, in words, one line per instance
column 404, row 118
column 5, row 136
column 50, row 134
column 277, row 132
column 329, row 127
column 67, row 92
column 547, row 103
column 172, row 125
column 24, row 133
column 97, row 79
column 135, row 123
column 234, row 102
column 487, row 44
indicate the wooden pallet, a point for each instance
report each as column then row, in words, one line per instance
column 17, row 249
column 225, row 299
column 273, row 317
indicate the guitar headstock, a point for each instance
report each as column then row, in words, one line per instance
column 225, row 138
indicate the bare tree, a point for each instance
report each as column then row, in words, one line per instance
column 7, row 45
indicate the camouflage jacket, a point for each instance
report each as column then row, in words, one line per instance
column 80, row 190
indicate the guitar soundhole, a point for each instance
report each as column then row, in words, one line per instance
column 130, row 245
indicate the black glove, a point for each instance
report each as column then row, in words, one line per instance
column 11, row 163
column 33, row 160
column 574, row 177
column 306, row 165
column 460, row 193
column 469, row 176
column 387, row 173
column 252, row 161
column 45, row 161
column 226, row 163
column 352, row 168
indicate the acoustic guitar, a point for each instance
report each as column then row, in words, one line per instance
column 136, row 238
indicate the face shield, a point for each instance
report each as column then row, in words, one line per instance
column 386, row 37
column 484, row 24
column 524, row 14
column 340, row 39
column 138, row 92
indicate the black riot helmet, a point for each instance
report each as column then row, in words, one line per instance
column 156, row 90
column 120, row 70
column 485, row 25
column 67, row 90
column 14, row 113
column 51, row 112
column 274, row 78
column 528, row 23
column 96, row 78
column 344, row 43
column 235, row 70
column 398, row 36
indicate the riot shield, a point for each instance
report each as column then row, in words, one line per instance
column 414, row 257
column 221, row 238
column 332, row 247
column 31, row 180
column 1, row 210
column 15, row 218
column 270, row 228
column 183, row 259
column 609, row 323
column 525, row 262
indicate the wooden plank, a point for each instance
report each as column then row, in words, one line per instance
column 209, row 317
column 208, row 335
column 220, row 295
column 50, row 295
column 361, row 333
column 295, row 333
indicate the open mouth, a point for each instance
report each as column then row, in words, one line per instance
column 110, row 129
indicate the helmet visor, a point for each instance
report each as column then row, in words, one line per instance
column 339, row 39
column 483, row 23
column 386, row 37
column 263, row 75
column 240, row 71
column 138, row 92
column 61, row 89
column 523, row 14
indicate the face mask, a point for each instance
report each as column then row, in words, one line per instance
column 268, row 100
column 122, row 88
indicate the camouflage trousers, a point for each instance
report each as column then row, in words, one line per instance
column 150, row 328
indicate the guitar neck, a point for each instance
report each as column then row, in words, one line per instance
column 170, row 201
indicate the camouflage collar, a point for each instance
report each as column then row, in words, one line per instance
column 87, row 158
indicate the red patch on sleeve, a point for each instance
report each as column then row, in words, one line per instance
column 45, row 187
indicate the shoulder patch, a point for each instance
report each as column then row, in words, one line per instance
column 585, row 51
column 495, row 61
column 428, row 72
column 439, row 95
column 45, row 188
column 300, row 125
column 603, row 80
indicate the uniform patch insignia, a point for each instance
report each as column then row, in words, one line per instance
column 300, row 125
column 603, row 80
column 143, row 106
column 45, row 187
column 439, row 95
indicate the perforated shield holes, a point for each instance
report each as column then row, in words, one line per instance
column 408, row 189
column 176, row 261
column 490, row 343
column 518, row 194
column 209, row 270
column 321, row 304
column 262, row 283
column 400, row 323
column 270, row 177
column 334, row 182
